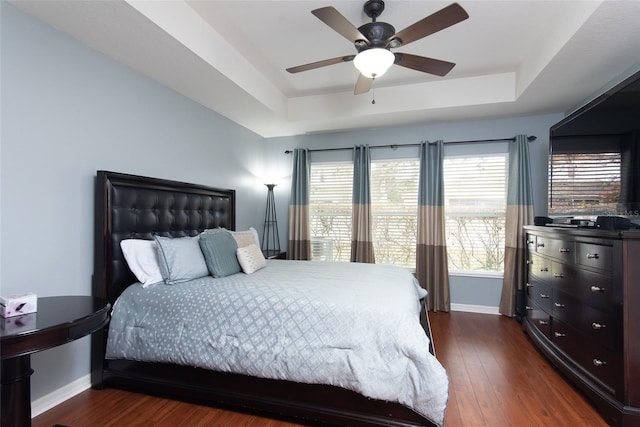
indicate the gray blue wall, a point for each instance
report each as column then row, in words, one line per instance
column 68, row 111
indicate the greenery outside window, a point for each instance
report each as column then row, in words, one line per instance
column 475, row 191
column 330, row 199
column 475, row 209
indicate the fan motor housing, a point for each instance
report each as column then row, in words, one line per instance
column 377, row 33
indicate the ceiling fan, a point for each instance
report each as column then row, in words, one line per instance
column 374, row 41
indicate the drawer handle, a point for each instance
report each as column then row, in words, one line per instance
column 540, row 245
column 559, row 334
column 593, row 256
column 543, row 322
column 565, row 250
column 544, row 269
column 596, row 325
column 558, row 276
column 529, row 307
column 544, row 296
column 597, row 289
column 598, row 362
column 530, row 242
column 529, row 262
column 529, row 285
column 557, row 304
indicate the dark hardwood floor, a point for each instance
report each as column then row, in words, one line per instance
column 497, row 378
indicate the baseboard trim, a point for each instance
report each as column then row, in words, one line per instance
column 470, row 308
column 58, row 396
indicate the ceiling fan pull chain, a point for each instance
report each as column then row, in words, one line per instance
column 373, row 91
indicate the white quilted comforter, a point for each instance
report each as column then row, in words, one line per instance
column 350, row 325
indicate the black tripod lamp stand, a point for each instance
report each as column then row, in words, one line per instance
column 270, row 236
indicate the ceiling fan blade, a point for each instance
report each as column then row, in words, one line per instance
column 319, row 64
column 426, row 65
column 362, row 85
column 440, row 20
column 339, row 23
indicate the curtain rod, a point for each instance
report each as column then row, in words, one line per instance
column 530, row 138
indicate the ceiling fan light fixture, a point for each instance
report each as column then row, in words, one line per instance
column 374, row 62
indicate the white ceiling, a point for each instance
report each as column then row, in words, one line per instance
column 513, row 57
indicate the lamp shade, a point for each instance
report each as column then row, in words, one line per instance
column 374, row 62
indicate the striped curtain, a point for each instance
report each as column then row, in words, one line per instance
column 432, row 270
column 519, row 214
column 361, row 220
column 299, row 246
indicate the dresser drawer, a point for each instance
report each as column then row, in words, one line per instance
column 595, row 289
column 602, row 363
column 563, row 275
column 539, row 292
column 562, row 250
column 591, row 288
column 539, row 318
column 598, row 326
column 539, row 267
column 595, row 256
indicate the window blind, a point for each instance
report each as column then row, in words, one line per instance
column 394, row 207
column 475, row 208
column 330, row 198
column 584, row 183
column 475, row 191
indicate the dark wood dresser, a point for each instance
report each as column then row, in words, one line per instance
column 583, row 312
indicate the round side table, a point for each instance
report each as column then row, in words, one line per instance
column 58, row 320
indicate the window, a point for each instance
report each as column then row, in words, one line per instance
column 330, row 210
column 475, row 191
column 394, row 207
column 475, row 209
column 583, row 183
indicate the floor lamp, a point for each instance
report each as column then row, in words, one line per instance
column 270, row 236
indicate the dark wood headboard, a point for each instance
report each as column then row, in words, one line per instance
column 137, row 207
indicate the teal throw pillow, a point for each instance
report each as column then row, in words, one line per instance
column 219, row 251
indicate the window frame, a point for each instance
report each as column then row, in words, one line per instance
column 340, row 246
column 500, row 247
column 451, row 150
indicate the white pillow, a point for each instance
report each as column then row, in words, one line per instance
column 142, row 258
column 251, row 258
column 246, row 237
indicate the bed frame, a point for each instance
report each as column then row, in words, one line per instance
column 129, row 206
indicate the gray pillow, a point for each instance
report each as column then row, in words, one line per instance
column 219, row 251
column 180, row 259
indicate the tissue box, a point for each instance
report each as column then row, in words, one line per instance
column 16, row 305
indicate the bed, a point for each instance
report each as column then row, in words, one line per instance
column 135, row 207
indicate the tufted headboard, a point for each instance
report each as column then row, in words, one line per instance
column 130, row 206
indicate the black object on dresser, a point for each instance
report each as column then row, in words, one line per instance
column 583, row 312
